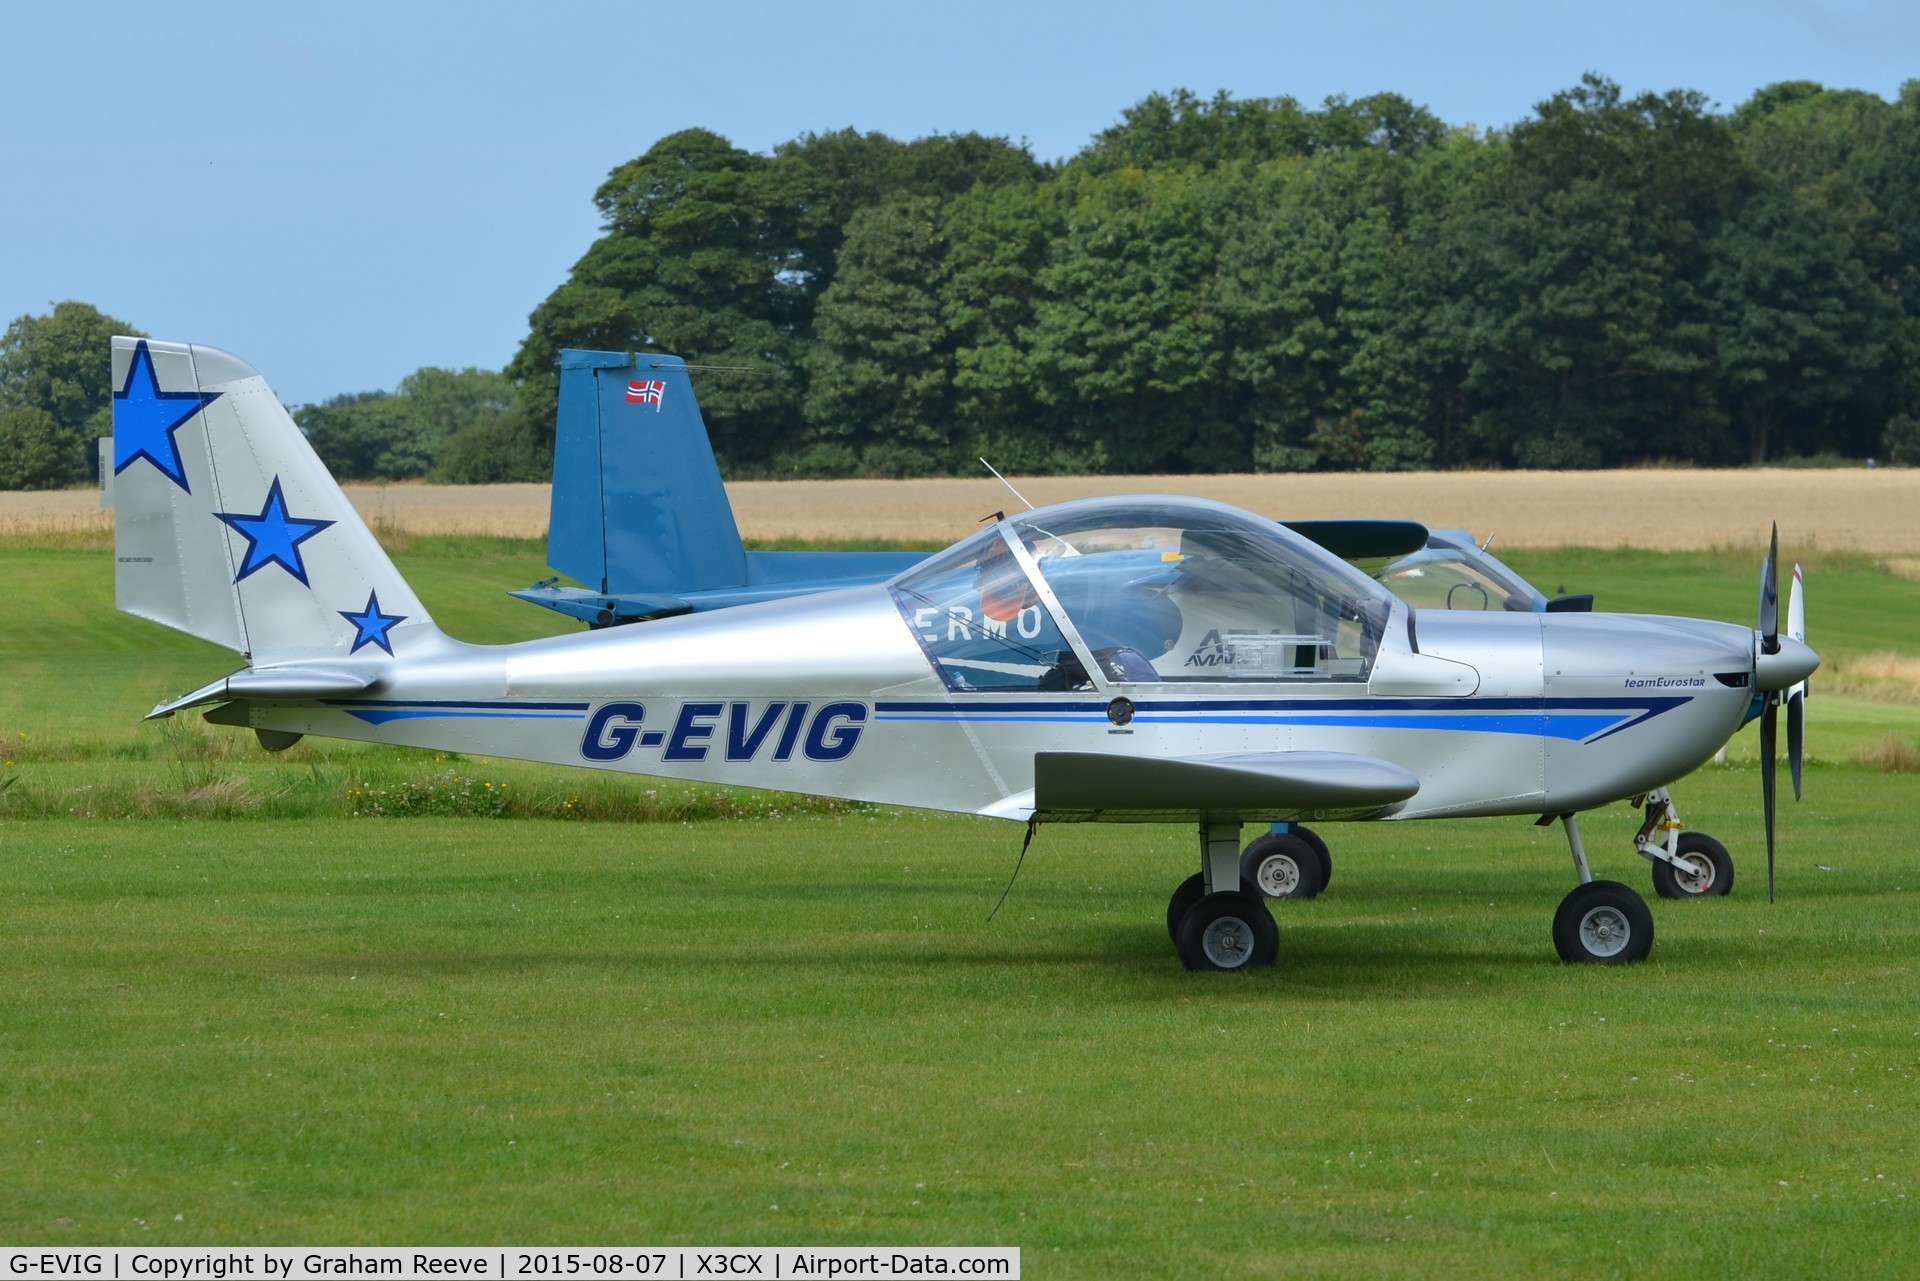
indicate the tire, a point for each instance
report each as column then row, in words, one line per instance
column 1713, row 874
column 1312, row 838
column 1603, row 923
column 1233, row 931
column 1285, row 865
column 1191, row 891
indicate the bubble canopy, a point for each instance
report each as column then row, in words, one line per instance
column 1136, row 590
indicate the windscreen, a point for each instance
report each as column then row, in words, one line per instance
column 1158, row 589
column 1183, row 590
column 980, row 620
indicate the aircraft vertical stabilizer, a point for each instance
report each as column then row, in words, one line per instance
column 639, row 512
column 226, row 524
column 638, row 507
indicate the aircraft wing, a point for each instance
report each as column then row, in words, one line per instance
column 1255, row 786
column 1370, row 544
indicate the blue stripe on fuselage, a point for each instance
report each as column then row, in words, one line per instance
column 1574, row 719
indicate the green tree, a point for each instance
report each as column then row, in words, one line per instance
column 61, row 364
column 35, row 453
column 817, row 183
column 1127, row 337
column 1801, row 325
column 881, row 364
column 1806, row 280
column 687, row 265
column 494, row 451
column 1585, row 251
column 406, row 434
column 997, row 242
column 1182, row 129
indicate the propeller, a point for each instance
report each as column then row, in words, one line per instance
column 1780, row 672
column 1770, row 596
column 1797, row 694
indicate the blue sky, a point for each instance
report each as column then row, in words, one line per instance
column 343, row 193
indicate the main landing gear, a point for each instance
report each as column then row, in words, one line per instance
column 1218, row 920
column 1288, row 862
column 1600, row 922
column 1685, row 864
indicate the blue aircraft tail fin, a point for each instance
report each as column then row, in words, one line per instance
column 640, row 515
column 638, row 507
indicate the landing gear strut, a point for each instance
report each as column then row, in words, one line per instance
column 1217, row 920
column 1599, row 922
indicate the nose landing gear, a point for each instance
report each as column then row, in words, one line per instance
column 1685, row 864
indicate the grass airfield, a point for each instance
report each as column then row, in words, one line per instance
column 288, row 1024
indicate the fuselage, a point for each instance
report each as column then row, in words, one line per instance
column 834, row 694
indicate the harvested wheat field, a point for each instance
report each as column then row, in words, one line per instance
column 1877, row 512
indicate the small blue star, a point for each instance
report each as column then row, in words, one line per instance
column 371, row 626
column 273, row 537
column 145, row 418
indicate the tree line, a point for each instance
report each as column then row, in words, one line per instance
column 1240, row 284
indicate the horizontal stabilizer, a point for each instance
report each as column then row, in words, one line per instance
column 275, row 684
column 1253, row 786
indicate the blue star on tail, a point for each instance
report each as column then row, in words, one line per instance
column 145, row 419
column 273, row 537
column 371, row 626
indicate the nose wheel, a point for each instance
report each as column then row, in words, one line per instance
column 1685, row 864
column 1701, row 868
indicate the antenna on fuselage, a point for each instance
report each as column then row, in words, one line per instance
column 1009, row 484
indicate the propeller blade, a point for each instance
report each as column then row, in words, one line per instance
column 1796, row 607
column 1796, row 694
column 1769, row 736
column 1770, row 597
column 1796, row 736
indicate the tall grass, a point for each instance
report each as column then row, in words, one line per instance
column 1892, row 753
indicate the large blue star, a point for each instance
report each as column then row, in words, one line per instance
column 273, row 537
column 145, row 418
column 371, row 626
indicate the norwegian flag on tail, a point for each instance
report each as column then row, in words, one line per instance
column 640, row 392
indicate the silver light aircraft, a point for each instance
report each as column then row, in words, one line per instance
column 1134, row 659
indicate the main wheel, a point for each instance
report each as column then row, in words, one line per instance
column 1191, row 891
column 1286, row 864
column 1312, row 838
column 1228, row 932
column 1705, row 869
column 1603, row 923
